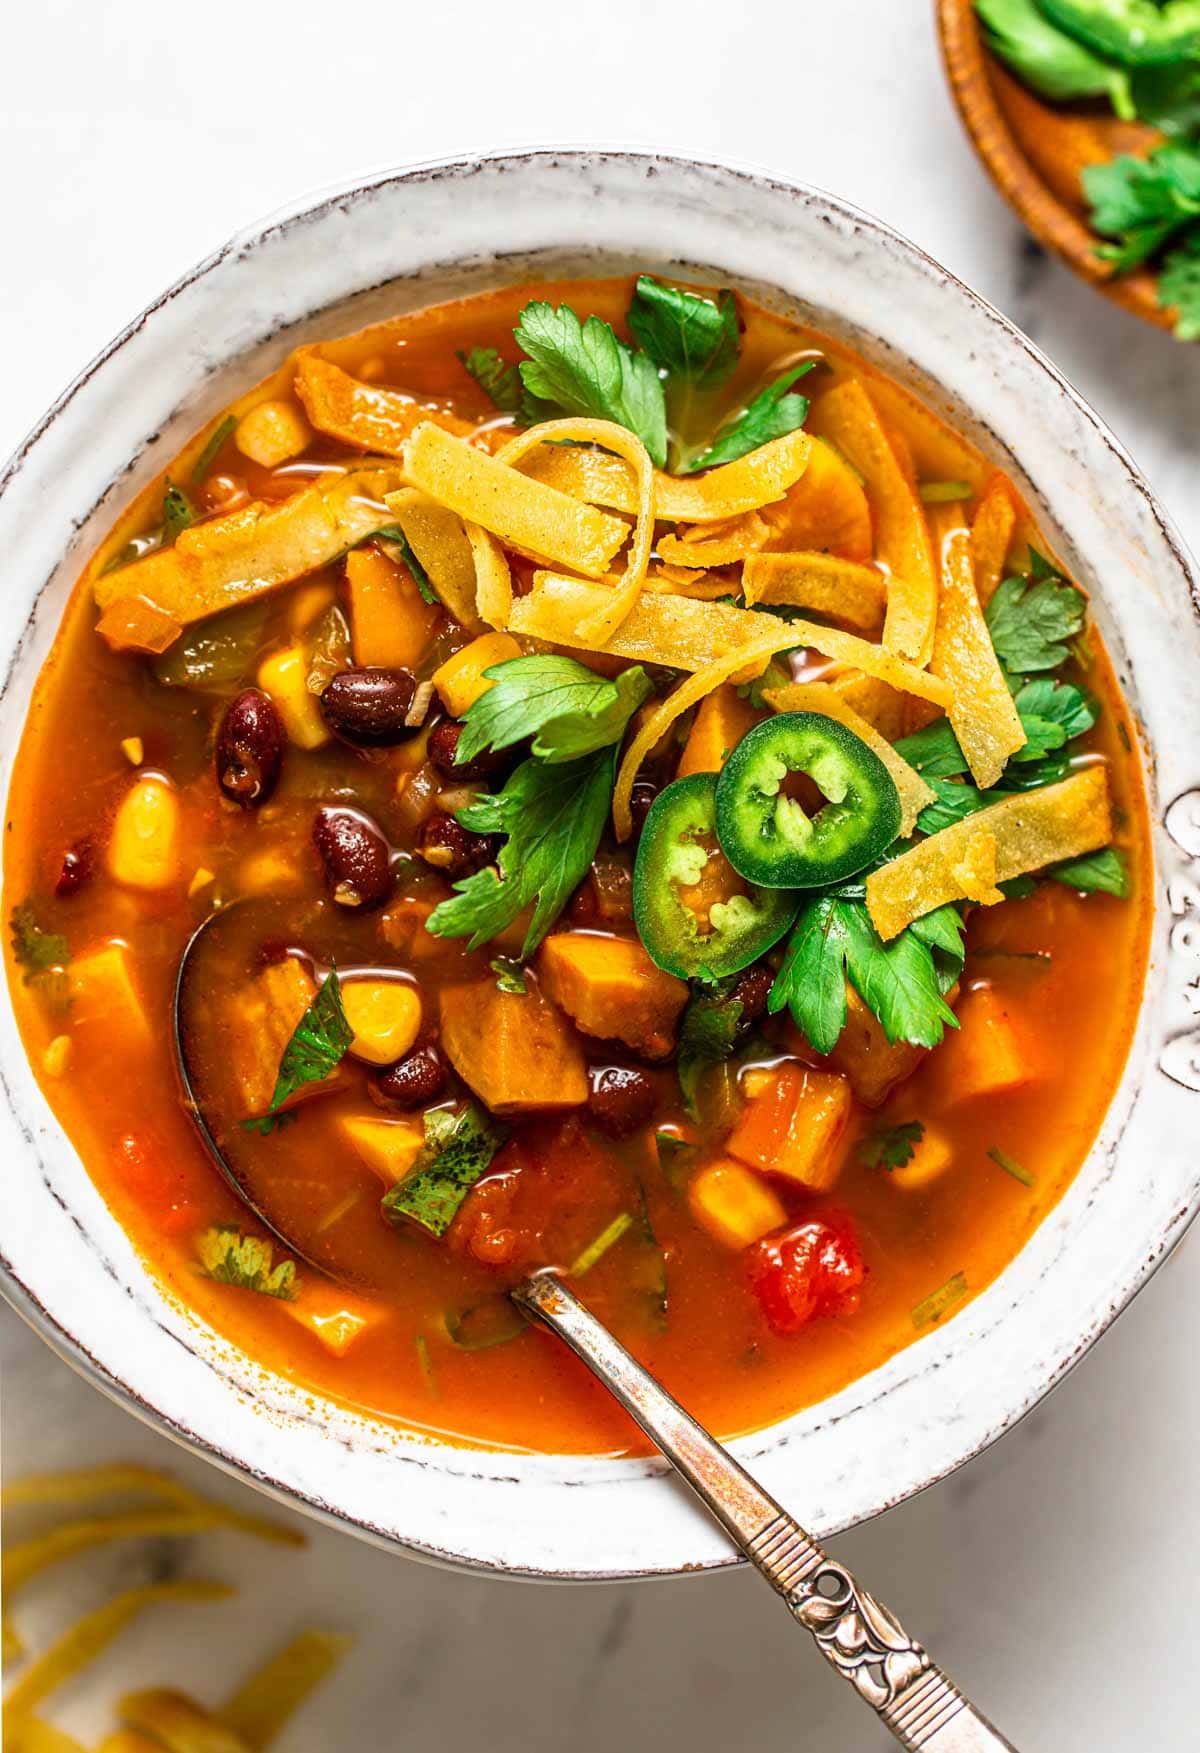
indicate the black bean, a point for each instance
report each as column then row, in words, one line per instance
column 443, row 751
column 752, row 992
column 640, row 798
column 413, row 1081
column 77, row 865
column 249, row 748
column 356, row 856
column 621, row 1099
column 368, row 707
column 454, row 850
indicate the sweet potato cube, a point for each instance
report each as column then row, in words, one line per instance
column 103, row 989
column 261, row 1027
column 284, row 676
column 721, row 722
column 333, row 1315
column 390, row 622
column 986, row 1055
column 609, row 987
column 515, row 1050
column 388, row 1147
column 864, row 1054
column 734, row 1205
column 460, row 680
column 793, row 1128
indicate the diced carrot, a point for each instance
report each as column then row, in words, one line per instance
column 133, row 624
column 985, row 1055
column 516, row 1050
column 390, row 622
column 864, row 1054
column 611, row 988
column 721, row 722
column 793, row 1128
column 734, row 1205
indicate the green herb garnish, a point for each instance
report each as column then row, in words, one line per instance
column 317, row 1047
column 178, row 512
column 39, row 952
column 246, row 1262
column 583, row 368
column 693, row 339
column 1048, row 60
column 459, row 1145
column 1097, row 873
column 566, row 708
column 599, row 1246
column 500, row 382
column 708, row 1034
column 221, row 431
column 510, row 975
column 1179, row 286
column 394, row 534
column 773, row 413
column 892, row 1148
column 1011, row 1166
column 1032, row 620
column 1135, row 33
column 940, row 1302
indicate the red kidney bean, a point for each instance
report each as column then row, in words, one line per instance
column 77, row 865
column 640, row 798
column 368, row 707
column 249, row 748
column 621, row 1099
column 356, row 856
column 413, row 1081
column 454, row 850
column 443, row 750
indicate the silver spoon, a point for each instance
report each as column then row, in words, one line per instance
column 865, row 1644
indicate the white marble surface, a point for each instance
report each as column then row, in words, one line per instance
column 1056, row 1576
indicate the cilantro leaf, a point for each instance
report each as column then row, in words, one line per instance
column 955, row 800
column 708, row 1033
column 1179, row 285
column 1031, row 621
column 1168, row 97
column 567, row 708
column 1132, row 32
column 811, row 982
column 38, row 951
column 177, row 512
column 893, row 1147
column 1047, row 59
column 693, row 339
column 553, row 816
column 899, row 980
column 394, row 534
column 1052, row 714
column 582, row 368
column 1097, row 873
column 510, row 975
column 318, row 1044
column 942, row 933
column 772, row 414
column 458, row 1148
column 1126, row 192
column 246, row 1262
column 498, row 381
column 933, row 751
column 222, row 431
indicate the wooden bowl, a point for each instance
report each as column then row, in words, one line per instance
column 1035, row 153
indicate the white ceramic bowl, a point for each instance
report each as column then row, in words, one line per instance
column 408, row 239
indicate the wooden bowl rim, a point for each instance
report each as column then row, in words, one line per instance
column 968, row 63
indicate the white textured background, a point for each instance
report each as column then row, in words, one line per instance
column 1056, row 1578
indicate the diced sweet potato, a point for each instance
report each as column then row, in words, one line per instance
column 515, row 1050
column 103, row 989
column 390, row 622
column 864, row 1054
column 722, row 721
column 335, row 1316
column 793, row 1128
column 734, row 1205
column 388, row 1147
column 261, row 1027
column 284, row 676
column 986, row 1055
column 611, row 988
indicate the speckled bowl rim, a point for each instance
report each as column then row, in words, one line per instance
column 666, row 1535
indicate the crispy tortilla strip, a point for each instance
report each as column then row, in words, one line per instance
column 599, row 629
column 261, row 1707
column 658, row 721
column 716, row 544
column 846, row 416
column 826, row 509
column 133, row 624
column 820, row 697
column 363, row 414
column 985, row 719
column 881, row 705
column 527, row 515
column 87, row 1484
column 975, row 872
column 175, row 1722
column 25, row 1559
column 35, row 1735
column 842, row 589
column 438, row 538
column 128, row 1741
column 688, row 635
column 937, row 452
column 991, row 536
column 85, row 1640
column 729, row 491
column 493, row 577
column 1031, row 830
column 229, row 560
column 705, row 587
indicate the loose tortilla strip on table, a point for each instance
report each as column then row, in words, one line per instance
column 826, row 509
column 493, row 577
column 689, row 635
column 755, row 480
column 847, row 416
column 438, row 538
column 261, row 1707
column 1031, row 829
column 133, row 624
column 820, row 697
column 991, row 536
column 821, row 583
column 173, row 1721
column 363, row 414
column 35, row 1735
column 937, row 452
column 256, row 549
column 524, row 513
column 716, row 544
column 982, row 713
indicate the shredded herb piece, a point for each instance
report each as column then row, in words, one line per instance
column 582, row 368
column 208, row 456
column 425, row 1362
column 265, row 1124
column 459, row 1145
column 218, row 653
column 940, row 1302
column 500, row 382
column 1097, row 873
column 893, row 1147
column 317, row 1047
column 1011, row 1166
column 510, row 974
column 494, row 1321
column 599, row 1246
column 692, row 338
column 675, row 1157
column 177, row 512
column 38, row 951
column 773, row 413
column 566, row 708
column 394, row 534
column 708, row 1033
column 945, row 492
column 246, row 1262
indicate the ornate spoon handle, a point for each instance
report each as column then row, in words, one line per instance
column 925, row 1712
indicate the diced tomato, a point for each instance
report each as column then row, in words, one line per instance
column 548, row 1191
column 813, row 1269
column 144, row 1172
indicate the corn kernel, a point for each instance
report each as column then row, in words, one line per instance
column 144, row 850
column 931, row 1157
column 385, row 1016
column 134, row 750
column 460, row 680
column 306, row 602
column 734, row 1204
column 388, row 1147
column 273, row 432
column 57, row 1056
column 754, row 1080
column 269, row 872
column 284, row 676
column 200, row 880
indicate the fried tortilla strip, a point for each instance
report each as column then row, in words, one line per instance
column 261, row 1707
column 173, row 1721
column 753, row 481
column 820, row 697
column 846, row 416
column 826, row 509
column 716, row 544
column 229, row 560
column 1031, row 829
column 363, row 414
column 877, row 702
column 493, row 577
column 937, row 452
column 707, row 587
column 982, row 713
column 439, row 540
column 841, row 589
column 991, row 536
column 535, row 519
